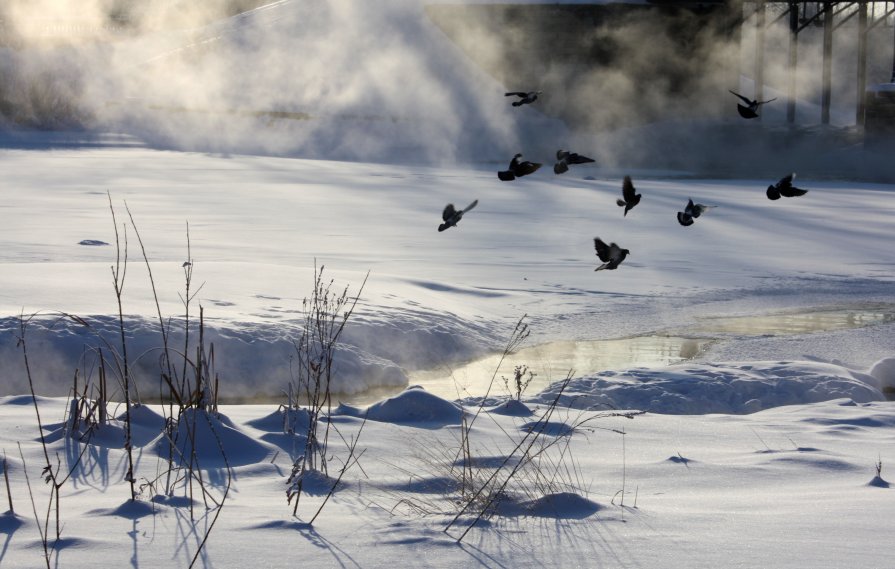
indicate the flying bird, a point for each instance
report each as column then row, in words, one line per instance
column 452, row 217
column 750, row 111
column 691, row 212
column 518, row 169
column 525, row 98
column 565, row 158
column 630, row 195
column 612, row 255
column 785, row 188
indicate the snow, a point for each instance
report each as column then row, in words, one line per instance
column 770, row 447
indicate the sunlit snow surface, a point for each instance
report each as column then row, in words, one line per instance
column 257, row 226
column 767, row 442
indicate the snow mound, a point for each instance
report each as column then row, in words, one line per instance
column 512, row 408
column 735, row 388
column 215, row 440
column 283, row 421
column 884, row 372
column 413, row 406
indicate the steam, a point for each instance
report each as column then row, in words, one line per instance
column 399, row 81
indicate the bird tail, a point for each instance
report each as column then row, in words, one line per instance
column 621, row 203
column 601, row 267
column 506, row 175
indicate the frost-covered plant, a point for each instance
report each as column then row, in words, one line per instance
column 326, row 312
column 521, row 379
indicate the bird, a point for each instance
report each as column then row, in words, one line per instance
column 518, row 169
column 691, row 212
column 525, row 98
column 565, row 158
column 452, row 217
column 785, row 188
column 631, row 198
column 612, row 255
column 750, row 111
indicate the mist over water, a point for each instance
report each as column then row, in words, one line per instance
column 400, row 81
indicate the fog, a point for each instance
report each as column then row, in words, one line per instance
column 396, row 80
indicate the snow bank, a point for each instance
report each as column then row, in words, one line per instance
column 732, row 388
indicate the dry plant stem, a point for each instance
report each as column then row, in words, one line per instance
column 348, row 464
column 51, row 474
column 119, row 272
column 519, row 335
column 163, row 328
column 220, row 505
column 326, row 315
column 532, row 434
column 40, row 528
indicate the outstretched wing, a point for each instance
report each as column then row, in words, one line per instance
column 792, row 191
column 448, row 212
column 603, row 250
column 786, row 181
column 748, row 102
column 765, row 102
column 579, row 159
column 470, row 206
column 515, row 94
column 628, row 191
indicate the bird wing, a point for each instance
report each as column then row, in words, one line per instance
column 448, row 212
column 578, row 159
column 689, row 210
column 785, row 183
column 684, row 219
column 765, row 102
column 792, row 191
column 470, row 206
column 744, row 99
column 560, row 167
column 515, row 94
column 628, row 191
column 526, row 168
column 603, row 250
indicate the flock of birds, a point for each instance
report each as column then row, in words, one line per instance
column 612, row 254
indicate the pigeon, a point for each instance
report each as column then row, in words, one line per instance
column 452, row 217
column 565, row 158
column 629, row 193
column 785, row 188
column 612, row 255
column 691, row 212
column 750, row 111
column 524, row 98
column 518, row 169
